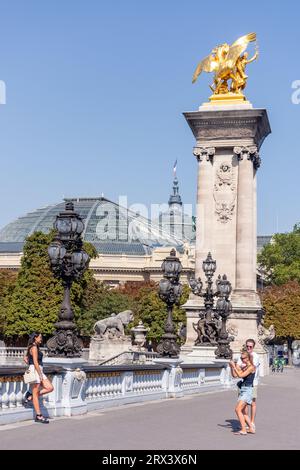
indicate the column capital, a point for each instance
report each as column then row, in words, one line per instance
column 251, row 153
column 202, row 153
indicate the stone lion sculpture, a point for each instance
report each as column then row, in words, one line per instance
column 114, row 323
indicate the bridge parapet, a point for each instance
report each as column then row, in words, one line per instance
column 80, row 387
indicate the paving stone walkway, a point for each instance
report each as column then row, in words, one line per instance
column 204, row 421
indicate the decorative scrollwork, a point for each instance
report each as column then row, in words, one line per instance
column 251, row 153
column 204, row 153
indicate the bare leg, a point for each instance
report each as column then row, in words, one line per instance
column 253, row 410
column 35, row 398
column 47, row 387
column 248, row 421
column 239, row 412
column 246, row 416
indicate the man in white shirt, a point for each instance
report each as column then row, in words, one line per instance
column 250, row 344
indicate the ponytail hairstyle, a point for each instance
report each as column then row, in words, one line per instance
column 31, row 341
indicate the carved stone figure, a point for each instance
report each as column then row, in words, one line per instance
column 296, row 352
column 265, row 335
column 113, row 326
column 207, row 329
column 232, row 330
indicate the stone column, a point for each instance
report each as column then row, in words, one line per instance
column 254, row 227
column 245, row 211
column 205, row 202
column 226, row 216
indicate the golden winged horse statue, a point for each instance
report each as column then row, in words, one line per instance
column 228, row 64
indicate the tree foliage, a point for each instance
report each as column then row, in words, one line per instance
column 31, row 301
column 282, row 306
column 152, row 311
column 280, row 259
column 34, row 303
column 8, row 279
column 142, row 298
column 100, row 301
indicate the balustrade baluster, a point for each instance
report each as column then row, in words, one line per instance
column 19, row 394
column 5, row 397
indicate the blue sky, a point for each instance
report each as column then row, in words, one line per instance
column 96, row 90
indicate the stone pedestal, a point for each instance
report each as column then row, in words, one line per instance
column 174, row 386
column 102, row 348
column 228, row 140
column 67, row 396
column 198, row 354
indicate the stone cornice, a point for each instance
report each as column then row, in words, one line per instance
column 229, row 125
column 135, row 270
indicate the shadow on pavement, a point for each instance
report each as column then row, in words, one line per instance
column 231, row 423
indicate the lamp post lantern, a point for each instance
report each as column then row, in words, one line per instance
column 68, row 262
column 170, row 290
column 209, row 331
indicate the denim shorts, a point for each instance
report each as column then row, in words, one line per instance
column 246, row 394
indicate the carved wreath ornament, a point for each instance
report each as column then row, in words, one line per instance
column 224, row 192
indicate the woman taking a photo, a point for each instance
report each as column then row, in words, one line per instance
column 247, row 373
column 34, row 359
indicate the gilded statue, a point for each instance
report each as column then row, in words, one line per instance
column 228, row 63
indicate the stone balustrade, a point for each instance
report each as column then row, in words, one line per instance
column 147, row 381
column 192, row 378
column 103, row 385
column 12, row 352
column 12, row 390
column 15, row 355
column 80, row 387
column 134, row 357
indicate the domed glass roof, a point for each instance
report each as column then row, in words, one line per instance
column 111, row 228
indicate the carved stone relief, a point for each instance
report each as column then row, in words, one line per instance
column 224, row 192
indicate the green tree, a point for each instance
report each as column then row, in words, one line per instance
column 282, row 306
column 35, row 301
column 153, row 312
column 8, row 281
column 100, row 301
column 280, row 259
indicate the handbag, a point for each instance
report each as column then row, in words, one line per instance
column 240, row 383
column 29, row 376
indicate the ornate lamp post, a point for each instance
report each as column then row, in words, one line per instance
column 208, row 325
column 170, row 290
column 68, row 262
column 223, row 308
column 209, row 331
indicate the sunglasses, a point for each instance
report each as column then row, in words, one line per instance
column 249, row 346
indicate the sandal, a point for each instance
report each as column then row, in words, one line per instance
column 41, row 419
column 240, row 433
column 27, row 398
column 251, row 430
